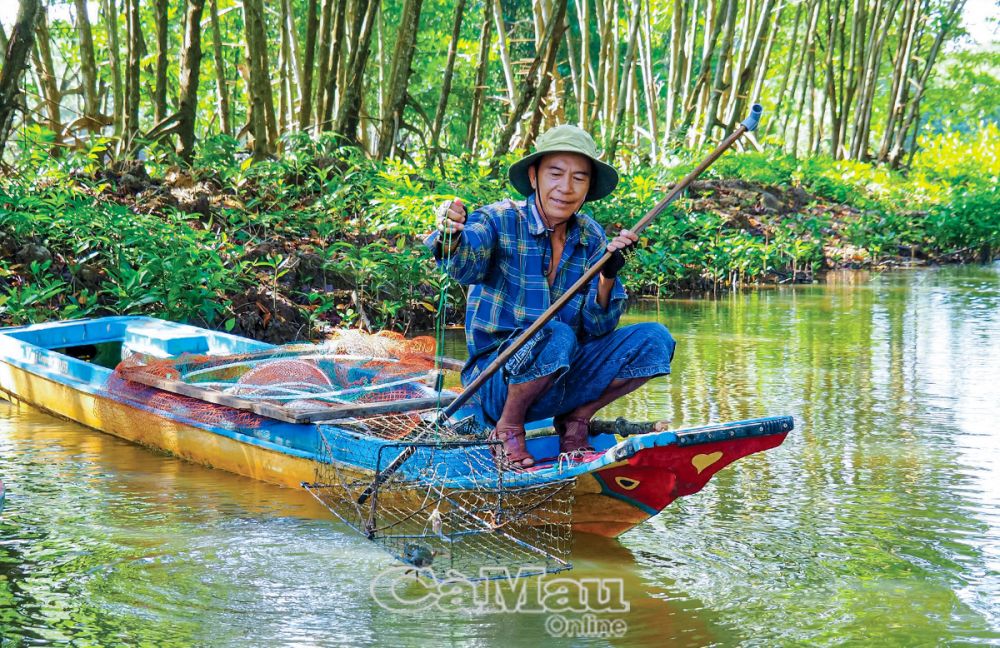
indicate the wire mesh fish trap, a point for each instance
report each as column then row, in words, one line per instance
column 450, row 508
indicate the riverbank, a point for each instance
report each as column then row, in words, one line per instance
column 323, row 237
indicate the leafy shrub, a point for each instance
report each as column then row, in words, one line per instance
column 970, row 222
column 768, row 168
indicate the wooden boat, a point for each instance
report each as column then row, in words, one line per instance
column 624, row 482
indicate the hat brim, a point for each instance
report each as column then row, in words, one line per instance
column 603, row 182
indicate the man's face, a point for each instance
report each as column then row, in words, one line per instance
column 561, row 182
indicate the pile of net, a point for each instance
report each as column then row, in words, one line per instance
column 441, row 502
column 350, row 368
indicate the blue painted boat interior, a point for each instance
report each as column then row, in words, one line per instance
column 38, row 349
column 148, row 335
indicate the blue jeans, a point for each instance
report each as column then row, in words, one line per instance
column 583, row 370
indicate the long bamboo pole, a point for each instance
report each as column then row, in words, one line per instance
column 748, row 124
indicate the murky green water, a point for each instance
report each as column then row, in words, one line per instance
column 877, row 522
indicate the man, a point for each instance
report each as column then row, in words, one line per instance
column 519, row 257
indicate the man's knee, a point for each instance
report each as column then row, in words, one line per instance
column 548, row 351
column 559, row 347
column 561, row 334
column 654, row 339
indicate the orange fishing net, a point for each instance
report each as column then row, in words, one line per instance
column 351, row 368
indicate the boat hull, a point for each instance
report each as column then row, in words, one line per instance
column 154, row 430
column 623, row 484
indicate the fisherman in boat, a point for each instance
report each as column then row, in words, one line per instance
column 519, row 257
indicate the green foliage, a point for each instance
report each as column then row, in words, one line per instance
column 338, row 235
column 223, row 154
column 770, row 168
column 970, row 222
column 104, row 258
column 965, row 93
column 958, row 159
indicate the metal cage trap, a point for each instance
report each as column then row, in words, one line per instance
column 451, row 509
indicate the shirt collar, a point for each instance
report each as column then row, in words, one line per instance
column 537, row 226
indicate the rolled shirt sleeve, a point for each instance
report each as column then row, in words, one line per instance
column 597, row 320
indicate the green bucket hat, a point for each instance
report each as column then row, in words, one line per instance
column 565, row 139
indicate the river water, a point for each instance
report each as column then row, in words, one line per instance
column 876, row 522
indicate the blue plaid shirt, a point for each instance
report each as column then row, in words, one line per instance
column 504, row 253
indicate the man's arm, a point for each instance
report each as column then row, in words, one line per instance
column 451, row 222
column 622, row 244
column 463, row 246
column 604, row 288
column 607, row 299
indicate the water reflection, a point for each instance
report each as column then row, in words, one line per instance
column 877, row 521
column 880, row 513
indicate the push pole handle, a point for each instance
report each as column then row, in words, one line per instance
column 753, row 119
